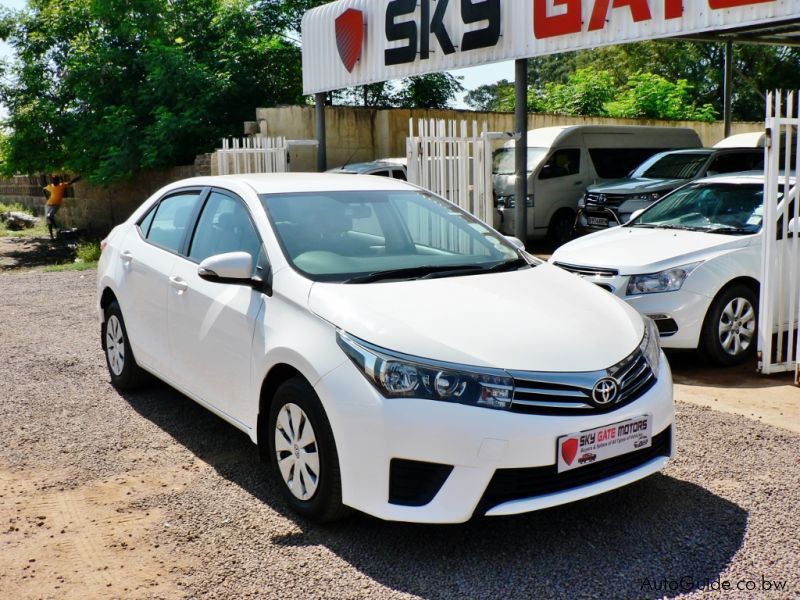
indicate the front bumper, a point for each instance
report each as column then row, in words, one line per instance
column 370, row 431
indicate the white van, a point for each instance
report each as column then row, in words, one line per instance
column 564, row 161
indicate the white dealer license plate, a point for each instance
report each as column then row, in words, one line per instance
column 597, row 221
column 577, row 450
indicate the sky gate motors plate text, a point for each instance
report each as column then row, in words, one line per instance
column 354, row 42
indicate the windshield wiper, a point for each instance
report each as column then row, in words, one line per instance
column 725, row 229
column 435, row 271
column 508, row 265
column 658, row 226
column 407, row 273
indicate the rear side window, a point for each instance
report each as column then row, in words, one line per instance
column 616, row 163
column 733, row 162
column 170, row 220
column 399, row 174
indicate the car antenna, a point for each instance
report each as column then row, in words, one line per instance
column 349, row 158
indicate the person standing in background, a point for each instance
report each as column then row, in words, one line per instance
column 55, row 198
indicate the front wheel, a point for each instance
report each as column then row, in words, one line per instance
column 561, row 228
column 303, row 453
column 731, row 326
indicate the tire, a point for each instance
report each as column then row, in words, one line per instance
column 562, row 228
column 730, row 330
column 303, row 453
column 125, row 373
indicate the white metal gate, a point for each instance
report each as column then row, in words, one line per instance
column 779, row 312
column 454, row 160
column 252, row 155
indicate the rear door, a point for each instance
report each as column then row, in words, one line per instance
column 211, row 325
column 148, row 253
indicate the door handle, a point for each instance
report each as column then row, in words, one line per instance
column 126, row 256
column 179, row 284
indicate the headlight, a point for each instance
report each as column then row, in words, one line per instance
column 649, row 196
column 397, row 375
column 650, row 346
column 670, row 280
column 582, row 201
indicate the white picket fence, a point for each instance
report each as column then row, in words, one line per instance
column 252, row 155
column 779, row 312
column 454, row 160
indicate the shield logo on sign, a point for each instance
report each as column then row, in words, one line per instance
column 350, row 37
column 569, row 449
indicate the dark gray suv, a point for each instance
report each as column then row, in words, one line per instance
column 613, row 202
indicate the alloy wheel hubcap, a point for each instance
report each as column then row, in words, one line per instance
column 737, row 326
column 115, row 345
column 297, row 452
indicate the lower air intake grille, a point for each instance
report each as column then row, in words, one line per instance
column 518, row 484
column 414, row 483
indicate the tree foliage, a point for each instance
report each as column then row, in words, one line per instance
column 436, row 90
column 634, row 67
column 106, row 87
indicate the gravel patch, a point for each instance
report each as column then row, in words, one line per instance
column 148, row 495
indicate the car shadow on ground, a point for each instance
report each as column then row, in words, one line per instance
column 658, row 537
column 689, row 368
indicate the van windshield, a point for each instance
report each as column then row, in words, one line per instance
column 672, row 165
column 503, row 160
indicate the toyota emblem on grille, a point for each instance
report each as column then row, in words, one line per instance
column 605, row 391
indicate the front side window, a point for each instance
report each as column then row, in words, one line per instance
column 733, row 162
column 168, row 224
column 715, row 208
column 339, row 236
column 562, row 163
column 225, row 226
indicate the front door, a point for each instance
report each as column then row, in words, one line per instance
column 211, row 325
column 559, row 183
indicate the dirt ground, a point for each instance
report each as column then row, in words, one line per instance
column 148, row 495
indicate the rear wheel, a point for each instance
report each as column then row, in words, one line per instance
column 125, row 373
column 731, row 326
column 303, row 452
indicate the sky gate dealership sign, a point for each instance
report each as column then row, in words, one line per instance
column 353, row 42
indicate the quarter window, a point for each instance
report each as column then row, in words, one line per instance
column 171, row 218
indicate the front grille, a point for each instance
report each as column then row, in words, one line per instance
column 414, row 483
column 588, row 271
column 605, row 199
column 570, row 393
column 517, row 484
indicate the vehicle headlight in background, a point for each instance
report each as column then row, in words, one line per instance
column 651, row 346
column 397, row 375
column 669, row 280
column 648, row 196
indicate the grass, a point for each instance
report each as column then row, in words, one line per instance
column 75, row 266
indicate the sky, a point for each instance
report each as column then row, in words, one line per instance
column 473, row 77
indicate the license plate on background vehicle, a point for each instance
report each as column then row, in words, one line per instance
column 597, row 221
column 593, row 445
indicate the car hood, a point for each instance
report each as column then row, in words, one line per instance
column 635, row 186
column 540, row 319
column 641, row 250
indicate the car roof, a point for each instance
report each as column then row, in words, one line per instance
column 286, row 183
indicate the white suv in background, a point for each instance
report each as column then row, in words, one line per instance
column 692, row 262
column 356, row 328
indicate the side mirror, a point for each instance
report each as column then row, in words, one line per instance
column 636, row 214
column 516, row 242
column 232, row 267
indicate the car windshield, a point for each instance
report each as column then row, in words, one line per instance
column 674, row 165
column 503, row 162
column 366, row 236
column 735, row 209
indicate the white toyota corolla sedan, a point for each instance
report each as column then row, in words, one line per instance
column 692, row 262
column 385, row 350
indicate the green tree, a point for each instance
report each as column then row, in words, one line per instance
column 585, row 93
column 436, row 90
column 497, row 97
column 651, row 96
column 107, row 87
